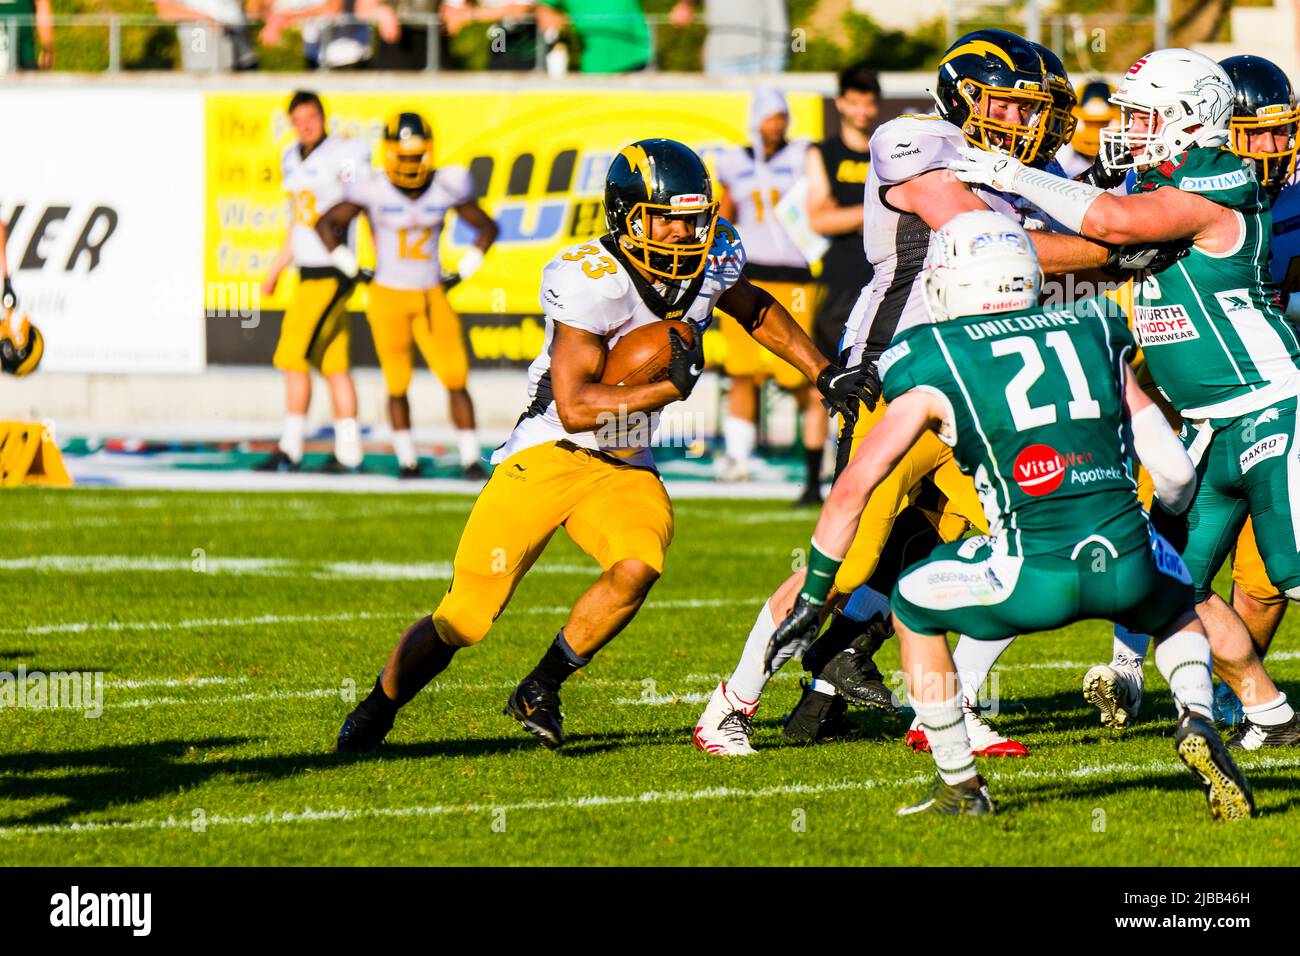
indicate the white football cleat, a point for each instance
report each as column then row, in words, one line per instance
column 1115, row 690
column 724, row 727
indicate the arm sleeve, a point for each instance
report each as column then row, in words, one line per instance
column 1162, row 454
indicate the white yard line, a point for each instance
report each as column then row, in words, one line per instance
column 598, row 801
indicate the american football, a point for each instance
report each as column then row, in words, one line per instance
column 941, row 516
column 642, row 355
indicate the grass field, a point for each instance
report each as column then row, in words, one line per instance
column 229, row 627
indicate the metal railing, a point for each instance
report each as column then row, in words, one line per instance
column 770, row 43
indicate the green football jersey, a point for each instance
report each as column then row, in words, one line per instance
column 1210, row 325
column 1037, row 404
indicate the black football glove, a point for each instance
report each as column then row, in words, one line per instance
column 686, row 362
column 1124, row 261
column 9, row 299
column 1101, row 175
column 843, row 389
column 794, row 636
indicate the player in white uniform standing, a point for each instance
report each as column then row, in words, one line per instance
column 754, row 178
column 408, row 308
column 992, row 91
column 314, row 332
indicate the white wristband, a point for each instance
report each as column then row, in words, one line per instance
column 345, row 260
column 470, row 262
column 1063, row 199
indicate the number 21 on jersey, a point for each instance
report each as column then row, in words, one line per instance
column 1026, row 416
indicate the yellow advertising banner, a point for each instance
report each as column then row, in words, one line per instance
column 538, row 158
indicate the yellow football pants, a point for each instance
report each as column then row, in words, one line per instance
column 315, row 329
column 613, row 512
column 402, row 318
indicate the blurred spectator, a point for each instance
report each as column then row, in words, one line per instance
column 410, row 49
column 327, row 44
column 612, row 33
column 24, row 56
column 745, row 36
column 512, row 30
column 212, row 34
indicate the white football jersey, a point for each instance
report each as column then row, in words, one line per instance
column 756, row 188
column 589, row 288
column 896, row 242
column 406, row 231
column 314, row 185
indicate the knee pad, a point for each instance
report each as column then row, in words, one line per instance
column 463, row 619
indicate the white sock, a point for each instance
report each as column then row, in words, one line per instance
column 404, row 448
column 1183, row 660
column 748, row 679
column 865, row 603
column 347, row 442
column 1130, row 648
column 1276, row 711
column 974, row 660
column 738, row 436
column 294, row 436
column 945, row 729
column 467, row 445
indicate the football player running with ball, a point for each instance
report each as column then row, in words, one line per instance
column 570, row 462
column 1012, row 388
column 1214, row 339
column 407, row 207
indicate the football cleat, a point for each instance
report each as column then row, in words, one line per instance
column 855, row 675
column 332, row 466
column 362, row 731
column 410, row 471
column 1116, row 691
column 725, row 726
column 1225, row 788
column 538, row 709
column 985, row 741
column 277, row 461
column 474, row 472
column 1253, row 736
column 1227, row 706
column 816, row 717
column 811, row 498
column 955, row 800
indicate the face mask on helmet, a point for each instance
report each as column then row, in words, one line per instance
column 1022, row 138
column 665, row 257
column 1273, row 165
column 980, row 264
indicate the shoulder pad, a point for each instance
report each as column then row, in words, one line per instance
column 287, row 156
column 908, row 146
column 575, row 298
column 892, row 355
column 455, row 181
column 727, row 256
column 730, row 164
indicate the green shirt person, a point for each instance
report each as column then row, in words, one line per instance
column 613, row 33
column 22, row 22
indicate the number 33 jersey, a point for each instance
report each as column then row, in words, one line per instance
column 590, row 287
column 406, row 229
column 1036, row 414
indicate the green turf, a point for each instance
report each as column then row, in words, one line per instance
column 337, row 577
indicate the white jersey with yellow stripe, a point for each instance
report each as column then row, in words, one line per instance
column 755, row 187
column 407, row 228
column 315, row 184
column 896, row 241
column 590, row 287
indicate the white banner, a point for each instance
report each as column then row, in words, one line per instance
column 103, row 193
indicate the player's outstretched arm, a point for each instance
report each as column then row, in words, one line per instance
column 582, row 401
column 772, row 326
column 1158, row 448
